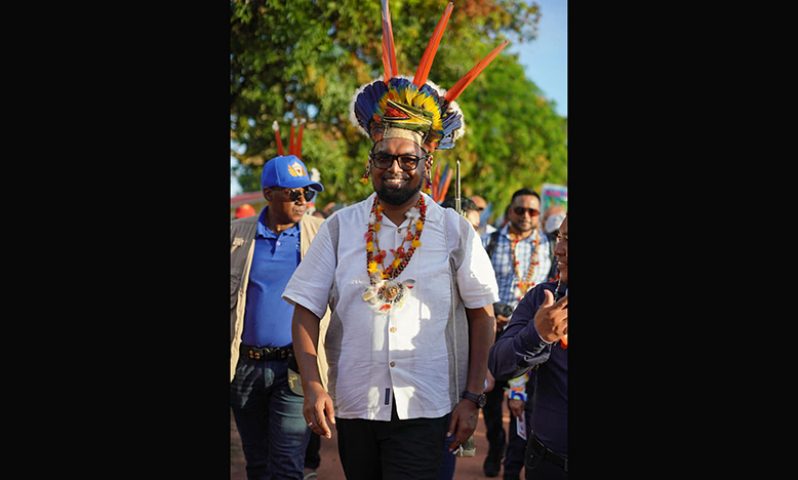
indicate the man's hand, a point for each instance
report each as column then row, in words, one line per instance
column 463, row 423
column 318, row 410
column 501, row 322
column 516, row 407
column 551, row 319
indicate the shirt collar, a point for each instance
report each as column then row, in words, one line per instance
column 505, row 231
column 264, row 232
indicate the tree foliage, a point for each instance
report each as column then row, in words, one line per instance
column 306, row 58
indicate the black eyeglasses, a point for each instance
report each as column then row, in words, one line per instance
column 407, row 161
column 520, row 211
column 294, row 195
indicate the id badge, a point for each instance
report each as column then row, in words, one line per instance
column 520, row 426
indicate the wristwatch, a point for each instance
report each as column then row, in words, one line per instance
column 479, row 399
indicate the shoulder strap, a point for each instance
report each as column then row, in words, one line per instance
column 492, row 240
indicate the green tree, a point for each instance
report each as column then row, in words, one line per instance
column 306, row 58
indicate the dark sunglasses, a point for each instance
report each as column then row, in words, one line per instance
column 407, row 162
column 294, row 195
column 521, row 210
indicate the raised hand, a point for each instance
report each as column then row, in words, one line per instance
column 551, row 319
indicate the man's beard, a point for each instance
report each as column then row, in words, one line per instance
column 400, row 196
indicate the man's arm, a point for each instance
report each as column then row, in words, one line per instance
column 481, row 331
column 522, row 346
column 318, row 408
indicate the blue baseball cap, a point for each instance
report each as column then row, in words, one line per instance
column 287, row 171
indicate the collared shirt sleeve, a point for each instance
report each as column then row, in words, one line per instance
column 311, row 282
column 475, row 277
column 520, row 347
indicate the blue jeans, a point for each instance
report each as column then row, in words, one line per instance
column 269, row 418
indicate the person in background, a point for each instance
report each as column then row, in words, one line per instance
column 470, row 211
column 245, row 210
column 521, row 257
column 482, row 205
column 537, row 337
column 265, row 390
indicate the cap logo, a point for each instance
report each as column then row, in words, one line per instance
column 296, row 170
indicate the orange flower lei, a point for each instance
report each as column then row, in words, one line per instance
column 525, row 282
column 374, row 261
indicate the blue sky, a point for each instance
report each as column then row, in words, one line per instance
column 545, row 59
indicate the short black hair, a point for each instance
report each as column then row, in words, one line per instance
column 524, row 191
column 465, row 203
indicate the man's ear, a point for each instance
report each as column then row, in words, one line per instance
column 267, row 194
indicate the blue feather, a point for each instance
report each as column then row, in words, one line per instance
column 451, row 123
column 367, row 102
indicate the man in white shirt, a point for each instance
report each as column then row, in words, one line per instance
column 411, row 291
column 404, row 362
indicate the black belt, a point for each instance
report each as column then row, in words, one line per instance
column 548, row 454
column 267, row 353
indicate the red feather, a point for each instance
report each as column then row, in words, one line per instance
column 425, row 64
column 469, row 77
column 276, row 128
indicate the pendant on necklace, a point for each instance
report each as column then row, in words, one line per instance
column 388, row 295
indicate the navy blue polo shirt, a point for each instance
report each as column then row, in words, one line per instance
column 267, row 317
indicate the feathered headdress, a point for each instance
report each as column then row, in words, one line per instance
column 417, row 109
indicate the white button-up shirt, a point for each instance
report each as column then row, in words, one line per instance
column 374, row 357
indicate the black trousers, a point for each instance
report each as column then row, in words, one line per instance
column 492, row 414
column 514, row 457
column 395, row 450
column 312, row 457
column 539, row 468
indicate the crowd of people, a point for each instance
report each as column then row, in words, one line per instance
column 395, row 319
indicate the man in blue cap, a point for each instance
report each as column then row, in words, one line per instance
column 265, row 392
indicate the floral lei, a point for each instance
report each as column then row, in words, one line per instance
column 524, row 282
column 384, row 292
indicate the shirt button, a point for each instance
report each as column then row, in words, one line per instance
column 393, row 364
column 278, row 244
column 393, row 330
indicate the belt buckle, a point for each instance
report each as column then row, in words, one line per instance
column 254, row 354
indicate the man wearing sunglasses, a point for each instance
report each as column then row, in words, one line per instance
column 410, row 288
column 265, row 391
column 394, row 368
column 537, row 337
column 521, row 255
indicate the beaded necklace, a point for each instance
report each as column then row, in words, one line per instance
column 384, row 292
column 524, row 281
